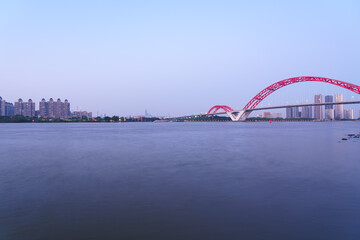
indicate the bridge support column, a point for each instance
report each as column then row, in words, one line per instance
column 238, row 116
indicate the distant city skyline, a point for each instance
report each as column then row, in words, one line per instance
column 58, row 109
column 120, row 57
column 51, row 109
column 327, row 112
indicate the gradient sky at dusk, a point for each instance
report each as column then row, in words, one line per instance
column 174, row 57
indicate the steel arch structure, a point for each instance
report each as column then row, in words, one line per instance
column 276, row 86
column 217, row 107
column 241, row 115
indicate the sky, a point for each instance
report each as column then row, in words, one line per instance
column 175, row 57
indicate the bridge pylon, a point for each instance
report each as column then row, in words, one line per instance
column 238, row 116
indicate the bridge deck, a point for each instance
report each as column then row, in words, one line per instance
column 274, row 107
column 288, row 106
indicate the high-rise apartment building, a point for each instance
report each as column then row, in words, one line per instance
column 9, row 109
column 293, row 112
column 26, row 109
column 58, row 109
column 52, row 109
column 296, row 112
column 349, row 114
column 66, row 109
column 339, row 108
column 329, row 114
column 2, row 107
column 29, row 108
column 43, row 108
column 306, row 112
column 329, row 99
column 19, row 107
column 318, row 110
column 289, row 113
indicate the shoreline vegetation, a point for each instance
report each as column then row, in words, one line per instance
column 23, row 119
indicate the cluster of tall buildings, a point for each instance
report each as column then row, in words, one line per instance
column 296, row 112
column 54, row 109
column 332, row 112
column 26, row 109
column 329, row 112
column 6, row 108
column 47, row 109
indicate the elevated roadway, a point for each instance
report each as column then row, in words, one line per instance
column 235, row 113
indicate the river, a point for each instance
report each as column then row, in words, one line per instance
column 179, row 181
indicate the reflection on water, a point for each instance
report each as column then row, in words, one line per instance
column 179, row 181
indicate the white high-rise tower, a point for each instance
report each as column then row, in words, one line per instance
column 339, row 108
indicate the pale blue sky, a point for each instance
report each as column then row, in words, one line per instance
column 174, row 57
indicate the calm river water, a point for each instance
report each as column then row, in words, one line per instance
column 179, row 181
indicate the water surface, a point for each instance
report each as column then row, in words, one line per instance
column 179, row 181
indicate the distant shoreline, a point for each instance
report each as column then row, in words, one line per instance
column 188, row 121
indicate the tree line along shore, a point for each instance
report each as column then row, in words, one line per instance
column 24, row 119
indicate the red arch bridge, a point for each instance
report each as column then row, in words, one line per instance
column 241, row 115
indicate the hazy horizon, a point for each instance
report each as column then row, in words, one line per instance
column 182, row 57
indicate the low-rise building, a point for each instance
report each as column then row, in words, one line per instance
column 81, row 114
column 266, row 114
column 276, row 115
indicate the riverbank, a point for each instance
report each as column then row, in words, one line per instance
column 23, row 119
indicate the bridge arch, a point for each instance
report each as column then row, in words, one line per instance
column 276, row 86
column 217, row 107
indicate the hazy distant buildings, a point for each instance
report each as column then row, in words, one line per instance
column 19, row 107
column 47, row 109
column 52, row 109
column 270, row 115
column 339, row 108
column 329, row 109
column 288, row 113
column 293, row 112
column 43, row 108
column 329, row 99
column 26, row 109
column 306, row 112
column 82, row 114
column 329, row 114
column 266, row 114
column 276, row 115
column 2, row 107
column 318, row 110
column 296, row 112
column 9, row 109
column 29, row 108
column 349, row 114
column 6, row 109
